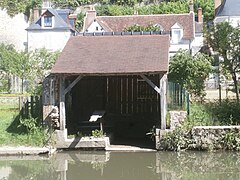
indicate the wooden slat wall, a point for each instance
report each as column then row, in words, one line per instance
column 129, row 95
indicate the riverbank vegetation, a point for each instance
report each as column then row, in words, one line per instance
column 17, row 130
column 226, row 113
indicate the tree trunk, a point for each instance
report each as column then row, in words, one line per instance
column 22, row 84
column 9, row 83
column 234, row 77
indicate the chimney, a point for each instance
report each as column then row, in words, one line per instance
column 200, row 16
column 217, row 4
column 36, row 14
column 89, row 18
column 191, row 9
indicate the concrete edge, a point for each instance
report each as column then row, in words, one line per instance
column 23, row 150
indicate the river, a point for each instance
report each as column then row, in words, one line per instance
column 101, row 165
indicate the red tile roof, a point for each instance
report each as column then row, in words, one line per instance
column 119, row 23
column 128, row 54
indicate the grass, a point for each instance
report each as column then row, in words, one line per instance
column 11, row 131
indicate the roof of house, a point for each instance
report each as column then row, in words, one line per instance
column 60, row 22
column 111, row 55
column 166, row 21
column 229, row 8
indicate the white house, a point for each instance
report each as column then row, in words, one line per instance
column 228, row 11
column 51, row 30
column 12, row 30
column 185, row 32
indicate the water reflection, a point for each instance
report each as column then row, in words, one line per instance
column 122, row 165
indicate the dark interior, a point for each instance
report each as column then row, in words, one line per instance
column 131, row 108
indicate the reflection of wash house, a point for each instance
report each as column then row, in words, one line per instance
column 122, row 75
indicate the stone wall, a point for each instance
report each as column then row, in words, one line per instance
column 177, row 118
column 200, row 138
column 215, row 137
column 197, row 138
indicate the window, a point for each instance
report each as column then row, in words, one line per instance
column 48, row 21
column 177, row 33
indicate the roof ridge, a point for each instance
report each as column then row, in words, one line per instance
column 145, row 15
column 122, row 33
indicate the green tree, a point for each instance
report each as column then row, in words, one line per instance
column 190, row 72
column 42, row 62
column 14, row 7
column 137, row 28
column 33, row 66
column 80, row 21
column 225, row 41
column 8, row 56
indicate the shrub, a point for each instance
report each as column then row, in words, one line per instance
column 226, row 113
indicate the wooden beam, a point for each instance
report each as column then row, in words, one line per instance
column 157, row 89
column 72, row 84
column 163, row 100
column 62, row 110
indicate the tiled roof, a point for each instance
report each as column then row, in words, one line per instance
column 229, row 8
column 127, row 54
column 119, row 23
column 60, row 21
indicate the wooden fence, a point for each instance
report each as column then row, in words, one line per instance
column 30, row 106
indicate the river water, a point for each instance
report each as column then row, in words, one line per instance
column 100, row 165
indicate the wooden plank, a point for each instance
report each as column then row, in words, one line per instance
column 62, row 110
column 163, row 100
column 72, row 84
column 157, row 89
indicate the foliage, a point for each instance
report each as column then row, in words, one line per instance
column 14, row 7
column 190, row 72
column 12, row 133
column 225, row 40
column 176, row 140
column 226, row 113
column 207, row 9
column 138, row 28
column 30, row 124
column 33, row 66
column 231, row 140
column 80, row 21
column 114, row 10
column 42, row 62
column 200, row 115
column 172, row 7
column 98, row 133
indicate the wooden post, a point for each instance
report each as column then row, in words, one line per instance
column 163, row 100
column 62, row 110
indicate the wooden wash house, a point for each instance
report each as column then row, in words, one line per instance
column 120, row 78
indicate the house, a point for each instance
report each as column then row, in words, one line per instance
column 123, row 76
column 228, row 11
column 51, row 30
column 12, row 29
column 185, row 32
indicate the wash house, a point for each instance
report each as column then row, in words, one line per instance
column 114, row 82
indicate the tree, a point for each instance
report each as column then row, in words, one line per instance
column 33, row 66
column 8, row 56
column 225, row 41
column 137, row 28
column 190, row 72
column 42, row 62
column 14, row 7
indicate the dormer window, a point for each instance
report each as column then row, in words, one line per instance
column 47, row 21
column 158, row 26
column 177, row 33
